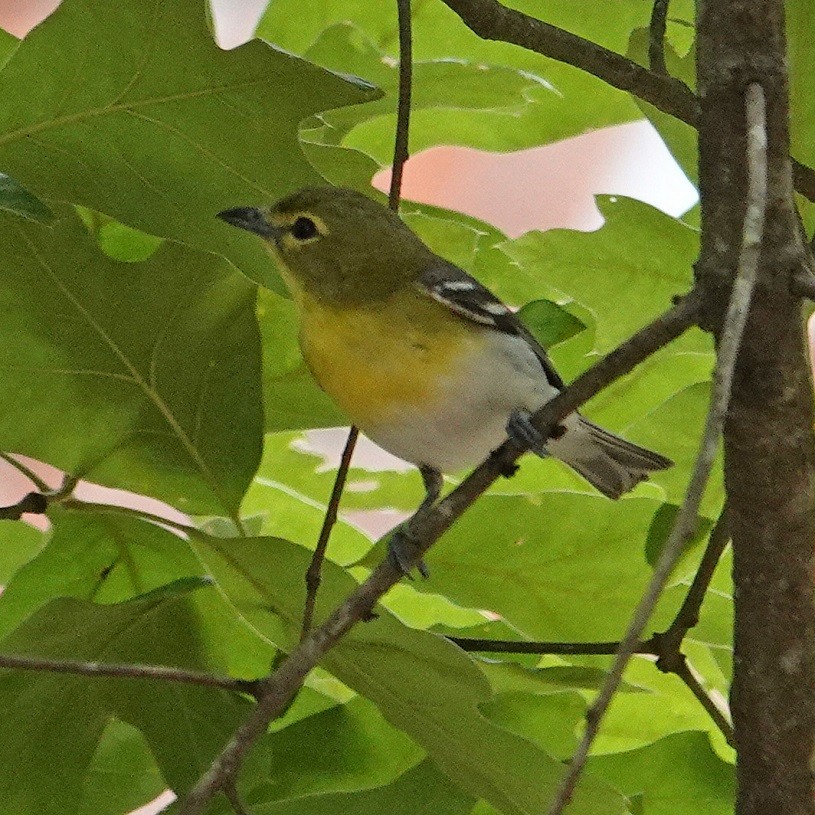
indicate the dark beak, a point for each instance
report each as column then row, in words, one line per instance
column 252, row 220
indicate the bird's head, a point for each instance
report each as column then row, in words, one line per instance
column 336, row 244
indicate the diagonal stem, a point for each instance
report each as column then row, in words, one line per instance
column 278, row 689
column 400, row 157
column 313, row 574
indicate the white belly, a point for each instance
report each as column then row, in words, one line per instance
column 467, row 418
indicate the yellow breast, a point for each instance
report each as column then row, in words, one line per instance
column 375, row 360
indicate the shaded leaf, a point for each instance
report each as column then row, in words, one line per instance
column 422, row 789
column 13, row 198
column 547, row 562
column 438, row 35
column 550, row 323
column 158, row 143
column 184, row 725
column 155, row 389
column 19, row 543
column 346, row 748
column 122, row 775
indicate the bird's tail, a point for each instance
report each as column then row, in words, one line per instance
column 611, row 464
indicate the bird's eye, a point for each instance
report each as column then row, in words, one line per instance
column 304, row 229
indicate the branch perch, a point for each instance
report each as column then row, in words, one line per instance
column 278, row 690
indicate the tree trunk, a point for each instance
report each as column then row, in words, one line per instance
column 769, row 453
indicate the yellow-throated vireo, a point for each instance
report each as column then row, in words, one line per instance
column 425, row 360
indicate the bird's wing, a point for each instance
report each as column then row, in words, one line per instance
column 464, row 295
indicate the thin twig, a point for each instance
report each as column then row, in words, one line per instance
column 688, row 615
column 400, row 157
column 491, row 20
column 231, row 793
column 163, row 673
column 673, row 662
column 400, row 145
column 656, row 37
column 721, row 721
column 735, row 320
column 278, row 689
column 28, row 473
column 541, row 648
column 313, row 574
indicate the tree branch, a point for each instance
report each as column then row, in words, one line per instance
column 532, row 647
column 400, row 144
column 313, row 574
column 803, row 284
column 684, row 672
column 162, row 673
column 277, row 690
column 735, row 320
column 492, row 21
column 656, row 37
column 688, row 615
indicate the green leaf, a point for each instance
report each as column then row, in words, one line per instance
column 550, row 323
column 679, row 775
column 346, row 748
column 108, row 557
column 625, row 273
column 422, row 684
column 160, row 143
column 421, row 789
column 680, row 138
column 56, row 721
column 676, row 428
column 122, row 775
column 8, row 45
column 549, row 721
column 439, row 35
column 665, row 707
column 801, row 60
column 13, row 198
column 541, row 561
column 119, row 241
column 19, row 543
column 155, row 389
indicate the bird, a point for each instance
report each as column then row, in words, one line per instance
column 419, row 355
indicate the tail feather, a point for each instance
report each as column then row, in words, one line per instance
column 611, row 464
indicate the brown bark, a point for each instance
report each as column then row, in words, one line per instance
column 769, row 452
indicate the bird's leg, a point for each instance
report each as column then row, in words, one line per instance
column 525, row 435
column 402, row 544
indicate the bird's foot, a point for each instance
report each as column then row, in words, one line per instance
column 524, row 434
column 402, row 548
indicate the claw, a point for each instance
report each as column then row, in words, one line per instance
column 523, row 434
column 401, row 551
